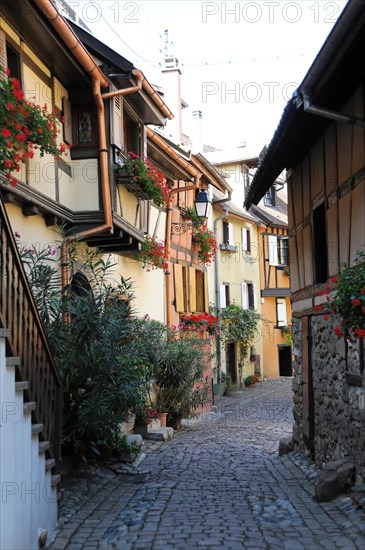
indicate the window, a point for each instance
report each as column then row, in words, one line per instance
column 246, row 240
column 224, row 295
column 320, row 244
column 248, row 290
column 278, row 250
column 227, row 237
column 191, row 289
column 269, row 197
column 84, row 126
column 283, row 251
column 13, row 62
column 281, row 318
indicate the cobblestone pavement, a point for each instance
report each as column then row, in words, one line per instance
column 218, row 484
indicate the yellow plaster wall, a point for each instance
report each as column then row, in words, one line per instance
column 272, row 337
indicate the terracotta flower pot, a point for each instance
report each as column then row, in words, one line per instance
column 163, row 418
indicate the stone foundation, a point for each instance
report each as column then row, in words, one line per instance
column 339, row 395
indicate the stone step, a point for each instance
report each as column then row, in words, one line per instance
column 162, row 434
column 50, row 463
column 12, row 361
column 21, row 386
column 36, row 429
column 55, row 480
column 43, row 447
column 29, row 406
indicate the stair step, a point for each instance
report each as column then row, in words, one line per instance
column 5, row 332
column 12, row 361
column 55, row 480
column 29, row 406
column 50, row 463
column 37, row 428
column 43, row 446
column 21, row 386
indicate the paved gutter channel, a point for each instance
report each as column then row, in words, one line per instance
column 218, row 484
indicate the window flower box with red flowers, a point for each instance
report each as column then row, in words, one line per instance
column 153, row 254
column 200, row 322
column 143, row 179
column 24, row 127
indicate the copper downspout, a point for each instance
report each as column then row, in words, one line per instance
column 98, row 80
column 168, row 287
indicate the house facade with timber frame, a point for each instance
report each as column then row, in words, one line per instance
column 320, row 141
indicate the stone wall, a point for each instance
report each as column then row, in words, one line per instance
column 339, row 395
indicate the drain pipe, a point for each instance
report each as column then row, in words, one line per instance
column 216, row 284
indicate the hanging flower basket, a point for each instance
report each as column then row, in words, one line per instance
column 207, row 244
column 153, row 254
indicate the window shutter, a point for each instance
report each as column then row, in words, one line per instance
column 244, row 239
column 67, row 126
column 206, row 292
column 244, row 292
column 192, row 289
column 273, row 249
column 144, row 211
column 116, row 123
column 230, row 234
column 3, row 56
column 222, row 296
column 179, row 288
column 255, row 296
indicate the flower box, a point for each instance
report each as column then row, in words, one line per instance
column 123, row 178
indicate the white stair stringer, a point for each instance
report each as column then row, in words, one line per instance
column 28, row 501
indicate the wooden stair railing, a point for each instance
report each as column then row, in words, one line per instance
column 28, row 341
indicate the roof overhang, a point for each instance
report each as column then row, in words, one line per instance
column 34, row 28
column 333, row 77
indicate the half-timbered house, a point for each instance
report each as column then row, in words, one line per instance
column 320, row 141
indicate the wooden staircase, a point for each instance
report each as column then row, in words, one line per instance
column 30, row 395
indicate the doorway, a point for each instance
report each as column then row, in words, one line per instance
column 231, row 362
column 285, row 361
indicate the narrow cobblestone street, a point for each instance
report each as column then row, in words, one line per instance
column 218, row 484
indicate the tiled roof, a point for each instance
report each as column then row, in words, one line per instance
column 273, row 215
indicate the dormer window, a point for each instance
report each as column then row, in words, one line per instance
column 269, row 197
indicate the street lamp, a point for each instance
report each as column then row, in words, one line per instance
column 202, row 207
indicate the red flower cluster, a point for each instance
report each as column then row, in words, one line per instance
column 153, row 254
column 201, row 321
column 207, row 244
column 349, row 300
column 24, row 128
column 144, row 173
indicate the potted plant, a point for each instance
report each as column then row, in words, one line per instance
column 120, row 447
column 145, row 413
column 251, row 380
column 179, row 377
column 231, row 388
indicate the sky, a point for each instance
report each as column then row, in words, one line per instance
column 240, row 61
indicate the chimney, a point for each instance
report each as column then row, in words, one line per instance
column 197, row 132
column 172, row 92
